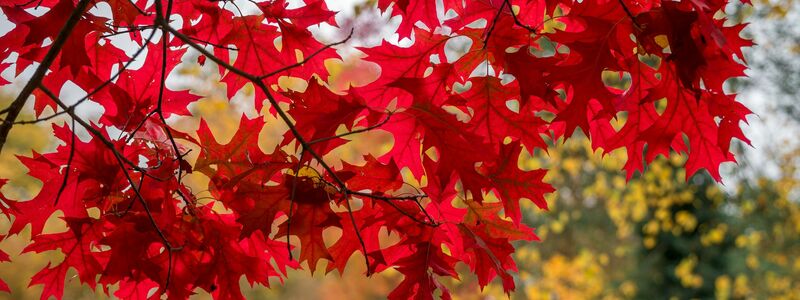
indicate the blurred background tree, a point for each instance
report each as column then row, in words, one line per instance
column 657, row 237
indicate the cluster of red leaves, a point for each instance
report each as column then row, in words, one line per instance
column 533, row 72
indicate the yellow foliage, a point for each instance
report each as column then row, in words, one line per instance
column 685, row 272
column 642, row 211
column 722, row 287
column 714, row 236
column 579, row 277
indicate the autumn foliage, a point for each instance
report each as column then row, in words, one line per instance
column 535, row 71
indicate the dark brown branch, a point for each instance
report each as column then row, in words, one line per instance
column 517, row 21
column 138, row 127
column 100, row 86
column 69, row 164
column 160, row 107
column 534, row 30
column 306, row 59
column 410, row 216
column 130, row 205
column 94, row 132
column 14, row 109
column 291, row 204
column 358, row 232
column 630, row 15
column 121, row 161
column 494, row 23
column 96, row 89
column 23, row 5
column 42, row 119
column 138, row 8
column 162, row 84
column 260, row 84
column 213, row 44
column 387, row 198
column 128, row 30
column 256, row 80
column 365, row 129
column 422, row 209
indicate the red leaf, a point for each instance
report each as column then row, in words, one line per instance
column 467, row 87
column 513, row 184
column 312, row 214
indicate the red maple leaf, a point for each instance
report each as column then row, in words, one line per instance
column 468, row 87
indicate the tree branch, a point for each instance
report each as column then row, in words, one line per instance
column 291, row 204
column 96, row 89
column 365, row 129
column 630, row 15
column 257, row 81
column 121, row 161
column 69, row 164
column 305, row 60
column 14, row 109
column 358, row 232
column 494, row 23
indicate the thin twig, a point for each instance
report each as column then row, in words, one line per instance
column 132, row 133
column 413, row 218
column 358, row 232
column 494, row 23
column 214, row 44
column 162, row 86
column 422, row 209
column 517, row 21
column 118, row 156
column 256, row 80
column 14, row 109
column 630, row 15
column 96, row 89
column 534, row 30
column 129, row 30
column 306, row 59
column 365, row 129
column 42, row 119
column 69, row 164
column 121, row 161
column 291, row 203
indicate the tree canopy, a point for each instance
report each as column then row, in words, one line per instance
column 647, row 77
